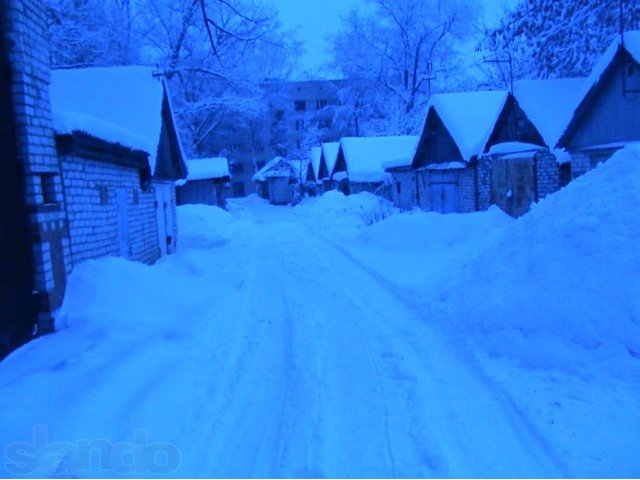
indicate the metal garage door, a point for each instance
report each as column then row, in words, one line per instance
column 444, row 192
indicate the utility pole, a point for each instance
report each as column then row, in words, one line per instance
column 498, row 61
column 430, row 77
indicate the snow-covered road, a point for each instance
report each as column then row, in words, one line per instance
column 265, row 348
column 332, row 374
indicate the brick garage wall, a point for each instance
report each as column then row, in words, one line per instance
column 547, row 180
column 94, row 224
column 405, row 199
column 467, row 190
column 580, row 164
column 24, row 24
column 197, row 191
column 484, row 183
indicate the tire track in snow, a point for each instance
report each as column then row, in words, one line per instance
column 527, row 432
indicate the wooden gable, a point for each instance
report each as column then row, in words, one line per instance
column 310, row 174
column 610, row 112
column 170, row 163
column 513, row 125
column 341, row 163
column 436, row 145
column 323, row 171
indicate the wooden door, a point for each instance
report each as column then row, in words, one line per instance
column 444, row 192
column 162, row 210
column 513, row 185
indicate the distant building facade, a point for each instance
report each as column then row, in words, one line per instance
column 300, row 115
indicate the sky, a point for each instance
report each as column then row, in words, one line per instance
column 315, row 19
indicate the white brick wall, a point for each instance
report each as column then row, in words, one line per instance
column 94, row 227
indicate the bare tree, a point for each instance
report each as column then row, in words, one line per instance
column 402, row 45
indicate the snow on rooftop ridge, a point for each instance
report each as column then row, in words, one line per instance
column 117, row 104
column 549, row 104
column 330, row 151
column 470, row 117
column 278, row 167
column 207, row 168
column 365, row 156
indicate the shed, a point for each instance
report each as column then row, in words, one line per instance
column 279, row 179
column 456, row 132
column 359, row 166
column 206, row 183
column 119, row 155
column 607, row 114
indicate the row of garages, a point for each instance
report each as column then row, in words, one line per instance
column 482, row 148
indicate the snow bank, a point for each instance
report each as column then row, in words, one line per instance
column 344, row 215
column 562, row 287
column 204, row 226
column 416, row 250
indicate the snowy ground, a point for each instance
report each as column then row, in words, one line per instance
column 303, row 341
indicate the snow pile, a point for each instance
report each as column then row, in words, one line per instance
column 367, row 157
column 416, row 250
column 344, row 215
column 561, row 288
column 207, row 168
column 469, row 117
column 117, row 104
column 204, row 226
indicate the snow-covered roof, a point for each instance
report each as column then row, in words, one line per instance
column 330, row 152
column 316, row 153
column 549, row 104
column 207, row 168
column 469, row 117
column 120, row 105
column 278, row 167
column 506, row 148
column 365, row 156
column 630, row 41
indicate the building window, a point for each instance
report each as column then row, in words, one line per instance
column 398, row 187
column 299, row 125
column 300, row 105
column 238, row 189
column 321, row 104
column 104, row 194
column 237, row 167
column 136, row 197
column 48, row 184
